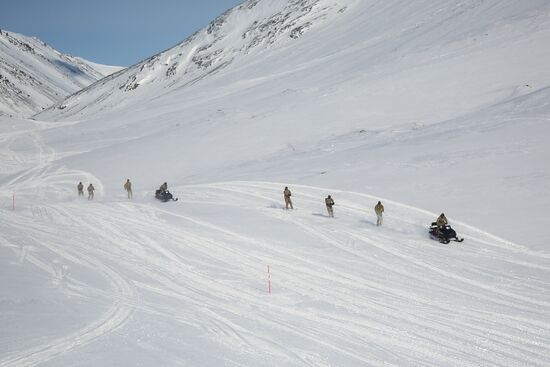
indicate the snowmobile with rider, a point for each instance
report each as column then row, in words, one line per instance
column 163, row 194
column 441, row 231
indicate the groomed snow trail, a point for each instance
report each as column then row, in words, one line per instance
column 345, row 292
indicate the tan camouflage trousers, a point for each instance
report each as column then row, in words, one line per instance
column 288, row 203
column 378, row 219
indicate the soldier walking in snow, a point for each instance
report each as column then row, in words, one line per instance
column 91, row 189
column 287, row 195
column 329, row 203
column 80, row 188
column 379, row 209
column 128, row 188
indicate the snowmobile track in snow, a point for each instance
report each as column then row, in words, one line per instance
column 116, row 316
column 344, row 291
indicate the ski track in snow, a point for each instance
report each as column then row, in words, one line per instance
column 111, row 221
column 117, row 315
column 266, row 192
column 33, row 180
column 185, row 283
column 361, row 295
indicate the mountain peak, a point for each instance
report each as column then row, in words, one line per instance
column 33, row 75
column 244, row 31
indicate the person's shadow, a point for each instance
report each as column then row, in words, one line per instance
column 275, row 206
column 364, row 221
column 320, row 215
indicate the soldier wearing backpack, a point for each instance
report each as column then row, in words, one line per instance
column 329, row 202
column 287, row 194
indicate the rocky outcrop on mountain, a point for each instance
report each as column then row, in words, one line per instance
column 250, row 27
column 34, row 76
column 341, row 42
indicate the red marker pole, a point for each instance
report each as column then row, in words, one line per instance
column 268, row 280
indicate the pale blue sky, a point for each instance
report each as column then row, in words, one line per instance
column 115, row 32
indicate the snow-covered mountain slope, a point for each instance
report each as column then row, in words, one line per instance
column 428, row 106
column 104, row 70
column 34, row 76
column 359, row 70
column 364, row 54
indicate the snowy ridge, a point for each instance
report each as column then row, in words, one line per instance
column 339, row 46
column 242, row 31
column 33, row 75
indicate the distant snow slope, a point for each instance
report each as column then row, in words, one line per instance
column 104, row 70
column 33, row 75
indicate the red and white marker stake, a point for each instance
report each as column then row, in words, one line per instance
column 268, row 279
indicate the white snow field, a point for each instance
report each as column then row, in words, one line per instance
column 429, row 106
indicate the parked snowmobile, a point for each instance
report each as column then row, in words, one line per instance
column 164, row 196
column 443, row 234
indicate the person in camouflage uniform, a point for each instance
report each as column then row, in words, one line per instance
column 329, row 202
column 442, row 220
column 128, row 188
column 379, row 210
column 91, row 190
column 287, row 195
